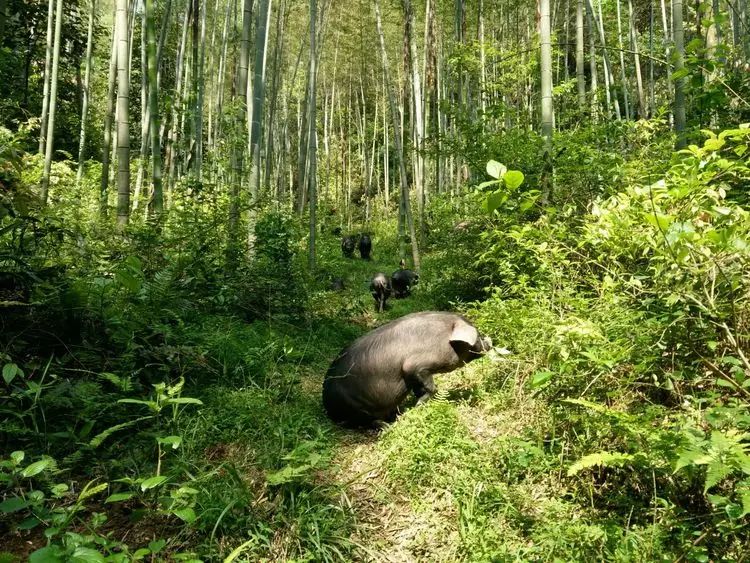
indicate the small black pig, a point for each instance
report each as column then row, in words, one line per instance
column 365, row 246
column 347, row 245
column 380, row 287
column 337, row 284
column 402, row 280
column 372, row 376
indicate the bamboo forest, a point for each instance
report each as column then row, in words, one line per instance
column 374, row 281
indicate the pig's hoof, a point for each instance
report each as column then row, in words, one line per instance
column 381, row 425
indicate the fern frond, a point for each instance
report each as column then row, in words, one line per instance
column 441, row 396
column 604, row 459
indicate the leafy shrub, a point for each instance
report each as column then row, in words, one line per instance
column 273, row 284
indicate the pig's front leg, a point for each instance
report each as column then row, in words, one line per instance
column 422, row 385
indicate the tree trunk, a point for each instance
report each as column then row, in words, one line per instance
column 259, row 93
column 623, row 78
column 199, row 94
column 221, row 77
column 667, row 49
column 592, row 63
column 123, row 123
column 482, row 59
column 276, row 86
column 397, row 141
column 546, row 85
column 50, row 139
column 108, row 115
column 608, row 71
column 145, row 120
column 242, row 86
column 178, row 105
column 312, row 142
column 580, row 78
column 47, row 69
column 417, row 101
column 162, row 39
column 86, row 93
column 156, row 203
column 679, row 84
column 637, row 62
column 3, row 16
column 651, row 84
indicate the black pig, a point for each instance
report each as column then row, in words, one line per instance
column 347, row 245
column 402, row 280
column 365, row 246
column 372, row 376
column 380, row 287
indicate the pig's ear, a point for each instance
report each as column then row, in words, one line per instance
column 464, row 332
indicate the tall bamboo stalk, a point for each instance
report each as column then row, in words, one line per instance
column 47, row 69
column 50, row 137
column 399, row 146
column 86, row 92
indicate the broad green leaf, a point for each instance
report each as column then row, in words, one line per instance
column 49, row 554
column 59, row 490
column 540, row 378
column 134, row 263
column 87, row 555
column 680, row 73
column 185, row 514
column 13, row 504
column 157, row 545
column 495, row 169
column 36, row 468
column 10, row 371
column 29, row 524
column 150, row 404
column 495, row 200
column 733, row 510
column 513, row 179
column 186, row 401
column 128, row 281
column 17, row 457
column 152, row 482
column 119, row 497
column 487, row 184
column 173, row 441
column 713, row 144
column 660, row 221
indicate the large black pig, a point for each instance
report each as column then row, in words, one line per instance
column 372, row 376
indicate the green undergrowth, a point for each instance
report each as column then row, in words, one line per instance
column 162, row 396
